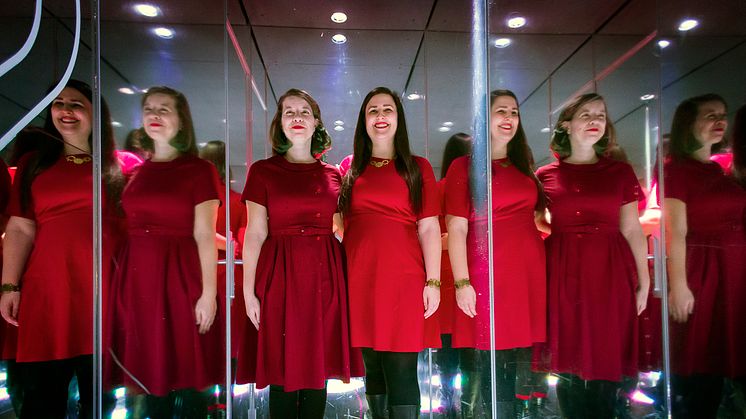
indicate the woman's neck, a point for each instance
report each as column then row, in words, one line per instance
column 164, row 152
column 300, row 153
column 703, row 154
column 582, row 155
column 383, row 150
column 76, row 146
column 499, row 150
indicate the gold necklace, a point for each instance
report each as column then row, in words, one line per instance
column 78, row 160
column 381, row 163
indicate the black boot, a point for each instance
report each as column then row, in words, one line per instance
column 377, row 406
column 470, row 381
column 408, row 411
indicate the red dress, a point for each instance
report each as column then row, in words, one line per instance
column 712, row 341
column 55, row 317
column 518, row 260
column 8, row 332
column 447, row 305
column 300, row 280
column 591, row 271
column 152, row 338
column 384, row 261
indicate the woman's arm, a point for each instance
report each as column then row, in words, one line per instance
column 256, row 233
column 541, row 219
column 681, row 299
column 19, row 239
column 428, row 230
column 338, row 225
column 466, row 297
column 205, row 217
column 630, row 227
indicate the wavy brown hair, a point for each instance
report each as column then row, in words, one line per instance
column 185, row 140
column 683, row 141
column 560, row 143
column 321, row 141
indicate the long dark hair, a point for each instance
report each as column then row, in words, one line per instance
column 46, row 153
column 214, row 152
column 185, row 140
column 560, row 143
column 519, row 153
column 405, row 164
column 458, row 145
column 321, row 141
column 683, row 141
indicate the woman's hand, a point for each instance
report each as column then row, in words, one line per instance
column 641, row 299
column 680, row 303
column 431, row 298
column 204, row 312
column 252, row 308
column 466, row 298
column 9, row 303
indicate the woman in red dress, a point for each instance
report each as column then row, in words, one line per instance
column 48, row 287
column 518, row 257
column 392, row 238
column 163, row 298
column 704, row 213
column 596, row 262
column 294, row 278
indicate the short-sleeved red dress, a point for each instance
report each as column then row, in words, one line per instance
column 518, row 259
column 591, row 271
column 713, row 339
column 447, row 305
column 153, row 343
column 300, row 280
column 55, row 317
column 385, row 264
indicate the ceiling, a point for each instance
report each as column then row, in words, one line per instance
column 417, row 46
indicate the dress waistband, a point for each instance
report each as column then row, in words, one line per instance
column 585, row 228
column 301, row 231
column 158, row 231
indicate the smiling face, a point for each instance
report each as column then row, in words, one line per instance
column 160, row 118
column 504, row 119
column 298, row 122
column 381, row 118
column 711, row 123
column 588, row 124
column 71, row 115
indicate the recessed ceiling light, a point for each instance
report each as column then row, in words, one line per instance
column 116, row 124
column 339, row 128
column 202, row 144
column 516, row 22
column 126, row 91
column 546, row 129
column 648, row 96
column 414, row 96
column 688, row 24
column 448, row 124
column 146, row 10
column 663, row 43
column 444, row 129
column 165, row 33
column 339, row 17
column 502, row 42
column 339, row 122
column 339, row 39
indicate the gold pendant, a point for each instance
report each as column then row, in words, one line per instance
column 78, row 160
column 379, row 163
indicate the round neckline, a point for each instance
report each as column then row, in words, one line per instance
column 584, row 166
column 297, row 167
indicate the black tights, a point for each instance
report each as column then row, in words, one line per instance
column 593, row 399
column 393, row 374
column 301, row 404
column 696, row 396
column 45, row 387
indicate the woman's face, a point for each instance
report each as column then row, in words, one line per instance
column 72, row 114
column 381, row 119
column 298, row 122
column 711, row 123
column 504, row 119
column 588, row 124
column 160, row 118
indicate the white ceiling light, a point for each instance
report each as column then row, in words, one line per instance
column 648, row 96
column 414, row 96
column 663, row 43
column 147, row 10
column 448, row 124
column 339, row 128
column 688, row 25
column 444, row 129
column 545, row 129
column 516, row 22
column 339, row 122
column 116, row 124
column 164, row 33
column 126, row 91
column 339, row 17
column 502, row 42
column 339, row 39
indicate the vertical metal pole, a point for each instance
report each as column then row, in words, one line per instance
column 648, row 170
column 229, row 269
column 97, row 210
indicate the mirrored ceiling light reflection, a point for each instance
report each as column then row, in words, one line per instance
column 147, row 10
column 339, row 39
column 164, row 33
column 516, row 22
column 688, row 24
column 502, row 42
column 339, row 17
